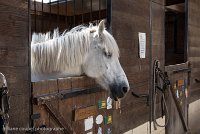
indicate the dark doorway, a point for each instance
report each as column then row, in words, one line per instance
column 175, row 34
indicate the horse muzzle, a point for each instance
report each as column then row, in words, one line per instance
column 118, row 91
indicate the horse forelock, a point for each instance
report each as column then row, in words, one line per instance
column 58, row 52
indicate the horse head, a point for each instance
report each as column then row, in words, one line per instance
column 102, row 63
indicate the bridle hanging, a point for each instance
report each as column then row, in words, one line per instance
column 4, row 107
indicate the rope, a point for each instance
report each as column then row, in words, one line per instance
column 4, row 107
column 158, row 73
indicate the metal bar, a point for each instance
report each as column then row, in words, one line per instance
column 99, row 10
column 179, row 110
column 82, row 15
column 35, row 14
column 182, row 70
column 42, row 29
column 38, row 100
column 57, row 21
column 90, row 10
column 59, row 119
column 108, row 14
column 79, row 92
column 66, row 12
column 50, row 14
column 74, row 17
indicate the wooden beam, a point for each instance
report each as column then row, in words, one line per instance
column 176, row 8
column 183, row 121
column 172, row 2
column 58, row 118
column 39, row 100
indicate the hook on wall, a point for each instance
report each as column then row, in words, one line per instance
column 141, row 96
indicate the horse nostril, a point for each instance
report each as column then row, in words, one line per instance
column 125, row 89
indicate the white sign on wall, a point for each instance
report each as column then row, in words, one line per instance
column 142, row 44
column 88, row 123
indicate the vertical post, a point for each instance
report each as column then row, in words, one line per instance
column 99, row 10
column 151, row 70
column 50, row 14
column 29, row 61
column 186, row 32
column 90, row 10
column 57, row 21
column 35, row 16
column 42, row 21
column 66, row 12
column 109, row 15
column 74, row 17
column 82, row 11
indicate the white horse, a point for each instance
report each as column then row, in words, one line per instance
column 83, row 50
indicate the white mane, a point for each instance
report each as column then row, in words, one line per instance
column 57, row 53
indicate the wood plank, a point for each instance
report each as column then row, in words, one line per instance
column 14, row 76
column 64, row 83
column 193, row 43
column 22, row 4
column 161, row 2
column 19, row 106
column 59, row 119
column 13, row 56
column 176, row 8
column 7, row 42
column 83, row 81
column 14, row 60
column 83, row 113
column 133, row 19
column 193, row 13
column 193, row 36
column 15, row 21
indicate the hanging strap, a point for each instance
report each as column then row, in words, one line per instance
column 4, row 105
column 160, row 84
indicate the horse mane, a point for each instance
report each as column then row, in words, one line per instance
column 59, row 52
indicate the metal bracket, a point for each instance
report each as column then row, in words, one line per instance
column 141, row 96
column 197, row 80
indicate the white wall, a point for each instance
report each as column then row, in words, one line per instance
column 144, row 128
column 194, row 117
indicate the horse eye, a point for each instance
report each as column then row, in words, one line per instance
column 108, row 54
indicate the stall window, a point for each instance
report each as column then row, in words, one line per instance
column 175, row 34
column 47, row 15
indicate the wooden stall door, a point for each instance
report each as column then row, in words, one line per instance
column 64, row 104
column 194, row 58
column 177, row 100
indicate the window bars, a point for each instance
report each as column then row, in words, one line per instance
column 47, row 15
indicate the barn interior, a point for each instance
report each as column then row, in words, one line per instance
column 172, row 36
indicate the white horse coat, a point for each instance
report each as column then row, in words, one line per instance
column 83, row 50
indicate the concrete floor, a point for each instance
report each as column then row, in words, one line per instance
column 194, row 117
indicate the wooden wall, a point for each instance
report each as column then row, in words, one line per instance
column 194, row 47
column 126, row 23
column 14, row 61
column 65, row 108
column 158, row 31
column 194, row 58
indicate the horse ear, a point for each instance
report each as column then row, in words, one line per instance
column 90, row 25
column 101, row 27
